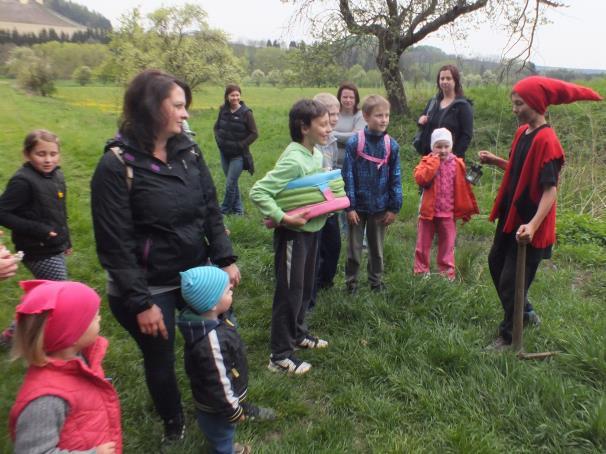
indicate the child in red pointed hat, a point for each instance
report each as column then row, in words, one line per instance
column 526, row 202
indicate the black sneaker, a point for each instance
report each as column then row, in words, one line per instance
column 531, row 318
column 252, row 412
column 174, row 429
column 352, row 289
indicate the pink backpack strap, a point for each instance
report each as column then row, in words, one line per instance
column 361, row 154
column 361, row 142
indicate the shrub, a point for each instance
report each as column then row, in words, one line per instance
column 82, row 75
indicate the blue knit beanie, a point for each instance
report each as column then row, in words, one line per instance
column 203, row 286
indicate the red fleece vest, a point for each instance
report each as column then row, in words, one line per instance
column 94, row 409
column 545, row 147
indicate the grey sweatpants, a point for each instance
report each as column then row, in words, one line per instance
column 375, row 235
column 295, row 268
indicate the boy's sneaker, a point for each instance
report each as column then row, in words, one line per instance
column 252, row 412
column 289, row 365
column 498, row 345
column 174, row 429
column 312, row 342
column 532, row 319
column 378, row 288
column 241, row 449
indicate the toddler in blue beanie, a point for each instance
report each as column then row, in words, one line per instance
column 215, row 358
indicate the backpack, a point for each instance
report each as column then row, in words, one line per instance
column 360, row 150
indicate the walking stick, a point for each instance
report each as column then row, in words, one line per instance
column 518, row 309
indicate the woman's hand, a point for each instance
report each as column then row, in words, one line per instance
column 106, row 448
column 234, row 274
column 423, row 120
column 69, row 251
column 151, row 321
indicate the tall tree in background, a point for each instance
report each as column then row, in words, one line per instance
column 177, row 40
column 399, row 24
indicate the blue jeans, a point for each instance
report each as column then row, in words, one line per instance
column 218, row 431
column 232, row 168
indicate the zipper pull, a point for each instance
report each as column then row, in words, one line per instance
column 184, row 164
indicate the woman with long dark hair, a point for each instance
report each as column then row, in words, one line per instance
column 350, row 118
column 447, row 109
column 155, row 214
column 235, row 130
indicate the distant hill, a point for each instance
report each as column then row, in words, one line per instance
column 80, row 14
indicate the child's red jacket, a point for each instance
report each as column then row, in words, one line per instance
column 465, row 204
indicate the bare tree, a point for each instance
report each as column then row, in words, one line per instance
column 399, row 24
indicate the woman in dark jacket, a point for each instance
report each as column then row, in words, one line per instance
column 155, row 213
column 448, row 109
column 235, row 130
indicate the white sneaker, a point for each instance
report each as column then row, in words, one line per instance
column 312, row 342
column 289, row 365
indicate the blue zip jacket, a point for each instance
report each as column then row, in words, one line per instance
column 372, row 190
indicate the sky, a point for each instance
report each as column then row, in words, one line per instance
column 575, row 38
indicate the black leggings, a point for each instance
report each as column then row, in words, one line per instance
column 158, row 353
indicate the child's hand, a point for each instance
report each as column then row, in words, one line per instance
column 352, row 217
column 525, row 233
column 242, row 418
column 297, row 220
column 486, row 157
column 389, row 218
column 106, row 448
column 8, row 264
column 69, row 251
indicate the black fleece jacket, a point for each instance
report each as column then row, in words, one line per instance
column 32, row 206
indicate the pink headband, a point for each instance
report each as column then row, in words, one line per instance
column 72, row 307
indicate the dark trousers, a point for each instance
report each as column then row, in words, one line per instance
column 158, row 353
column 502, row 264
column 327, row 258
column 295, row 269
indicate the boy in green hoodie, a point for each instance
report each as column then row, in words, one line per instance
column 295, row 238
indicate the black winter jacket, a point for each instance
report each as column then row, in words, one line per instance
column 32, row 206
column 235, row 131
column 169, row 220
column 458, row 120
column 215, row 362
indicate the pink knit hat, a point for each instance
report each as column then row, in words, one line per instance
column 540, row 92
column 72, row 307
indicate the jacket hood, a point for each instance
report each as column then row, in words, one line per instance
column 193, row 327
column 175, row 144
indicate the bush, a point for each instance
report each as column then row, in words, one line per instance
column 37, row 77
column 82, row 75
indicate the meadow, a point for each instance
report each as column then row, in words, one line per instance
column 405, row 371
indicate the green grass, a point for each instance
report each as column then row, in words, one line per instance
column 404, row 371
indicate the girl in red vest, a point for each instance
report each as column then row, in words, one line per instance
column 447, row 196
column 65, row 402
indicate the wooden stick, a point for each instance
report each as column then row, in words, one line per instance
column 518, row 308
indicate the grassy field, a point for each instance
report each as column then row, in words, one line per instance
column 405, row 371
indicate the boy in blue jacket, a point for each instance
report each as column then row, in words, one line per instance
column 371, row 172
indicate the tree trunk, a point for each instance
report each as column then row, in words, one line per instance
column 388, row 60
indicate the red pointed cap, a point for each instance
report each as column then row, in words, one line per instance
column 540, row 92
